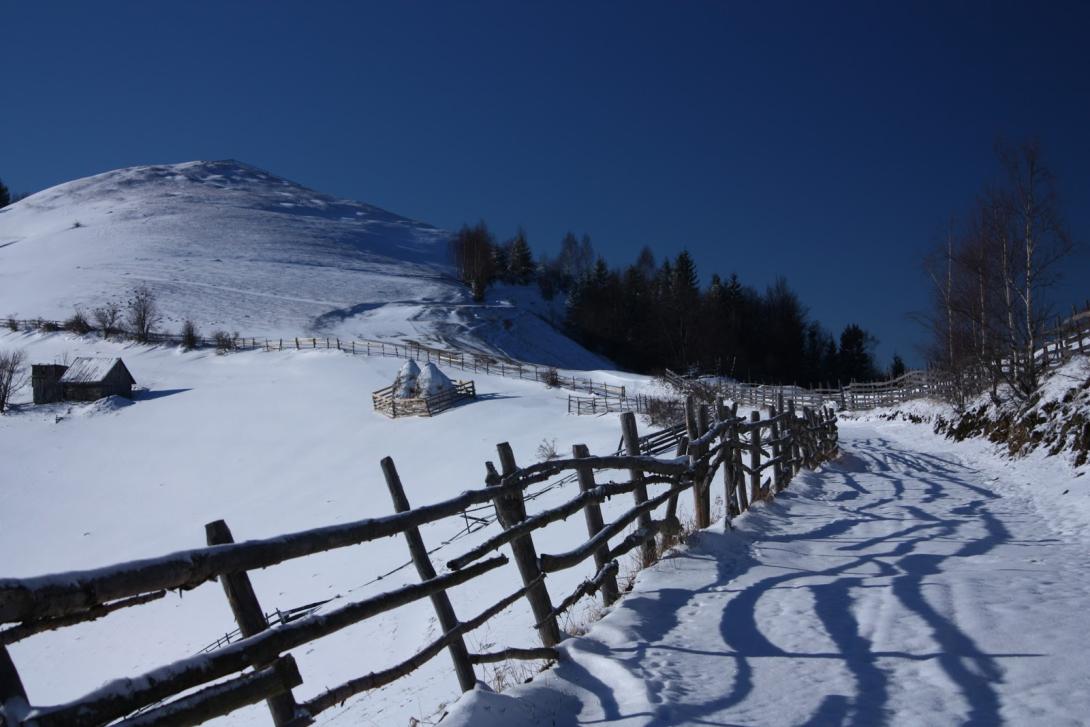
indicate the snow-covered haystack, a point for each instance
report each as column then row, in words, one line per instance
column 420, row 391
column 432, row 381
column 406, row 383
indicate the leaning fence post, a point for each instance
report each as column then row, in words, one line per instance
column 440, row 601
column 755, row 456
column 12, row 693
column 249, row 617
column 593, row 513
column 632, row 448
column 511, row 510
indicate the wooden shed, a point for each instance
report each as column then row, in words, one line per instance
column 45, row 380
column 90, row 379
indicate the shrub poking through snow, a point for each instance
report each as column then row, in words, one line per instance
column 107, row 317
column 77, row 323
column 224, row 341
column 190, row 338
column 13, row 325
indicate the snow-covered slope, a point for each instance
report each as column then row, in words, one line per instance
column 236, row 248
column 272, row 443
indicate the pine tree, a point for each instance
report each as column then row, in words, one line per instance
column 897, row 368
column 5, row 195
column 520, row 262
column 855, row 360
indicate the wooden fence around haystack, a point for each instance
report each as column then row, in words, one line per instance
column 386, row 403
column 757, row 458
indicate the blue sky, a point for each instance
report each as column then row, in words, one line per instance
column 826, row 142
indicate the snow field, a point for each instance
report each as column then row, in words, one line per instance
column 271, row 443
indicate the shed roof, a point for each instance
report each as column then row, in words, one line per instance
column 91, row 370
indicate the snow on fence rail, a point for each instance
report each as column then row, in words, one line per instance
column 757, row 458
column 466, row 361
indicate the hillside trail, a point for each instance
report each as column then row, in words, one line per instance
column 899, row 585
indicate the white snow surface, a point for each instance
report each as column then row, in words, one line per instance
column 272, row 443
column 914, row 581
column 235, row 248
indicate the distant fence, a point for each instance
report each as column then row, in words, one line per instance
column 757, row 459
column 466, row 361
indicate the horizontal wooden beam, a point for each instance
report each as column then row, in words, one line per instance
column 29, row 628
column 524, row 654
column 561, row 561
column 220, row 699
column 125, row 696
column 600, row 493
column 374, row 680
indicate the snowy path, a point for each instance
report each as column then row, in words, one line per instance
column 902, row 585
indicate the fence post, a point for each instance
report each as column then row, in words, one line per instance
column 593, row 515
column 692, row 428
column 754, row 456
column 249, row 617
column 671, row 504
column 511, row 510
column 12, row 693
column 775, row 450
column 703, row 425
column 632, row 448
column 440, row 601
column 796, row 438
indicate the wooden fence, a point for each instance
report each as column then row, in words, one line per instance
column 464, row 360
column 757, row 459
column 386, row 403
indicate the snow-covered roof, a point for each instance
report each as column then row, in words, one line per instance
column 90, row 370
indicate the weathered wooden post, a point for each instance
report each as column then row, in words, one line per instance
column 703, row 425
column 671, row 504
column 12, row 693
column 775, row 450
column 440, row 601
column 631, row 439
column 250, row 618
column 754, row 456
column 692, row 426
column 593, row 513
column 511, row 510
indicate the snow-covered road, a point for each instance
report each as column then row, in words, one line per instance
column 905, row 584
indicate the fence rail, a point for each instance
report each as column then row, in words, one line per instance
column 463, row 360
column 259, row 666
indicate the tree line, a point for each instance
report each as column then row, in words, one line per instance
column 651, row 315
column 993, row 275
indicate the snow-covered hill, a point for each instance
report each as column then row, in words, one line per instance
column 236, row 248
